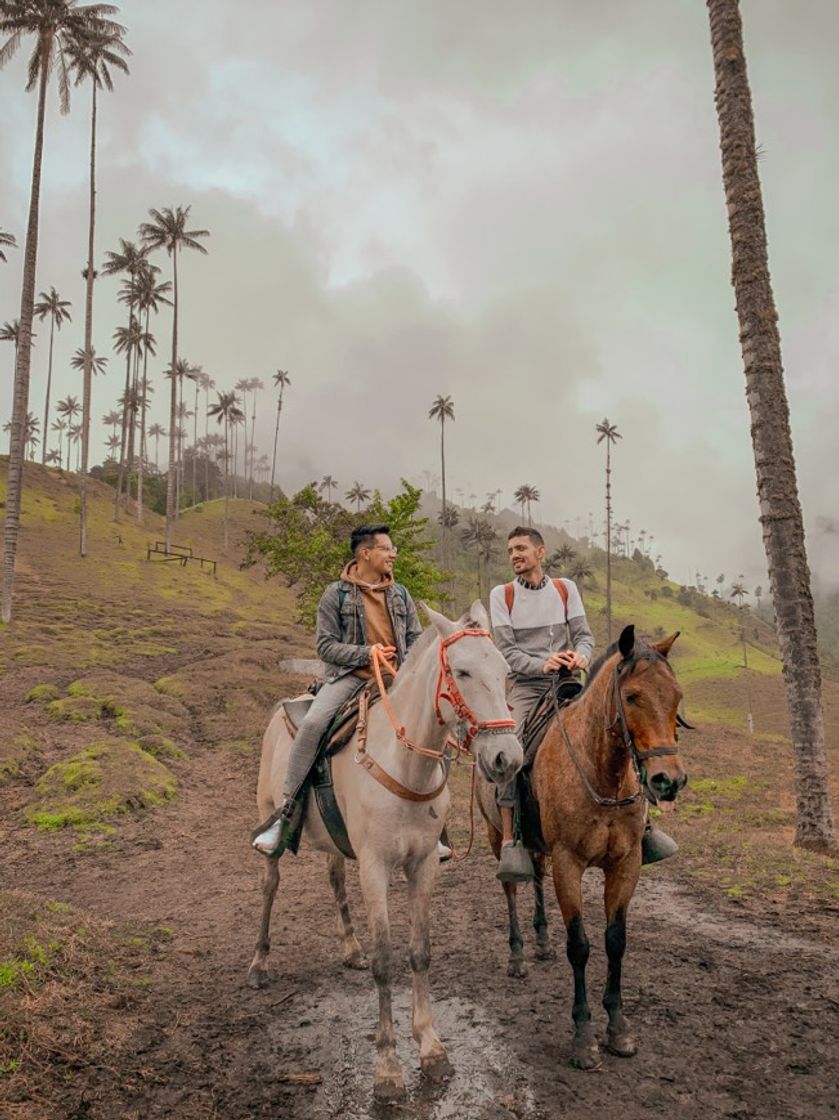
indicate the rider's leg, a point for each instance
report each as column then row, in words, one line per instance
column 304, row 748
column 514, row 865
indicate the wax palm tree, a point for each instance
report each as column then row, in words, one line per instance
column 184, row 414
column 7, row 241
column 128, row 341
column 481, row 536
column 57, row 26
column 357, row 493
column 112, row 419
column 60, row 427
column 226, row 411
column 207, row 384
column 520, row 495
column 68, row 409
column 151, row 294
column 156, row 431
column 98, row 364
column 168, row 230
column 579, row 571
column 30, row 431
column 112, row 443
column 242, row 386
column 560, row 558
column 74, row 436
column 442, row 409
column 51, row 304
column 524, row 496
column 281, row 380
column 93, row 61
column 255, row 386
column 53, row 457
column 328, row 483
column 780, row 509
column 609, row 433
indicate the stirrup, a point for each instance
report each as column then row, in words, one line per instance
column 657, row 845
column 271, row 838
column 514, row 864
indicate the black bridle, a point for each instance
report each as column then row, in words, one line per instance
column 619, row 728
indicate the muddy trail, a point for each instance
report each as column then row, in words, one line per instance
column 733, row 1019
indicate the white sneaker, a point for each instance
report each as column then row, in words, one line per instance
column 268, row 840
column 444, row 853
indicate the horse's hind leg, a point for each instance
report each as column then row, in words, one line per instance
column 353, row 953
column 433, row 1058
column 620, row 886
column 258, row 971
column 388, row 1082
column 544, row 950
column 568, row 881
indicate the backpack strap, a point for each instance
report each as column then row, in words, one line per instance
column 510, row 594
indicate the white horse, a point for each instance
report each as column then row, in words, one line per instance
column 452, row 684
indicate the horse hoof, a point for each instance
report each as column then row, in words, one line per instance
column 437, row 1067
column 356, row 961
column 586, row 1055
column 257, row 978
column 545, row 953
column 517, row 968
column 622, row 1045
column 390, row 1089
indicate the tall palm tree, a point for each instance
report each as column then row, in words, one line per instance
column 151, row 295
column 111, row 419
column 256, row 386
column 281, row 379
column 128, row 260
column 31, row 431
column 57, row 26
column 7, row 241
column 60, row 427
column 53, row 457
column 93, row 61
column 127, row 341
column 780, row 509
column 68, row 409
column 609, row 433
column 442, row 409
column 242, row 386
column 156, row 431
column 524, row 496
column 357, row 493
column 226, row 411
column 328, row 483
column 50, row 303
column 560, row 558
column 112, row 444
column 97, row 364
column 207, row 384
column 168, row 230
column 480, row 535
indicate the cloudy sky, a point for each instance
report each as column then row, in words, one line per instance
column 518, row 205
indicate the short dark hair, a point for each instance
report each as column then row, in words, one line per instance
column 527, row 531
column 364, row 536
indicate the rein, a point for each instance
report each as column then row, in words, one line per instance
column 620, row 728
column 451, row 694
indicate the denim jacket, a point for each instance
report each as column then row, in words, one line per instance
column 341, row 633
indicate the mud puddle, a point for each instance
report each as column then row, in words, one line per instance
column 335, row 1031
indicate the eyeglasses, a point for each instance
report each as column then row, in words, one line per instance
column 391, row 548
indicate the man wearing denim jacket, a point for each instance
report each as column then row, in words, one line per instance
column 363, row 610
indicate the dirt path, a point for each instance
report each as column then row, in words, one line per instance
column 733, row 1020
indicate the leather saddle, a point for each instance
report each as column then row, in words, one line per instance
column 566, row 689
column 344, row 722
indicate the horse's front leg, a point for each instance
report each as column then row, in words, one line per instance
column 388, row 1082
column 258, row 971
column 568, row 880
column 516, row 966
column 353, row 953
column 433, row 1058
column 621, row 881
column 544, row 950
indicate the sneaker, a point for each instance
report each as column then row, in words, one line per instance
column 657, row 845
column 514, row 864
column 272, row 841
column 444, row 852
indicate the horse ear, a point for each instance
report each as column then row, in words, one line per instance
column 663, row 647
column 444, row 626
column 626, row 642
column 476, row 616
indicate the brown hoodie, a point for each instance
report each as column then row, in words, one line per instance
column 377, row 621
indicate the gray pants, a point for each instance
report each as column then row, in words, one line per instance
column 304, row 749
column 522, row 698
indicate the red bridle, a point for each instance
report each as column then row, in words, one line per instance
column 454, row 697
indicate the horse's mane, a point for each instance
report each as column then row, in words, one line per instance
column 641, row 652
column 419, row 647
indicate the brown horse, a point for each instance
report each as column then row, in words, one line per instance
column 602, row 757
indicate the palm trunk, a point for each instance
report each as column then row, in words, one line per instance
column 253, row 443
column 206, row 441
column 276, row 435
column 132, row 415
column 179, row 465
column 23, row 362
column 195, row 443
column 126, row 412
column 226, row 480
column 173, row 406
column 608, row 541
column 780, row 510
column 88, row 333
column 47, row 401
column 142, row 458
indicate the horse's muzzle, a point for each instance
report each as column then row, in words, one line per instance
column 500, row 758
column 666, row 788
